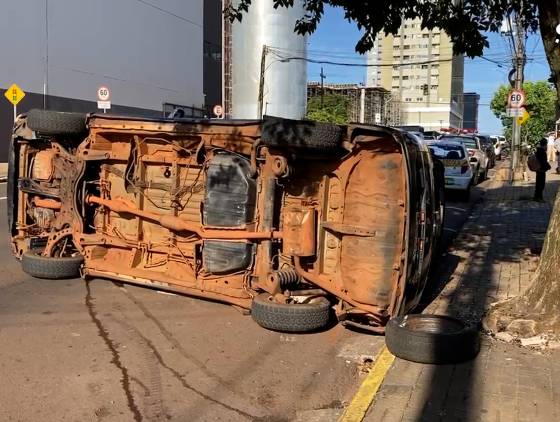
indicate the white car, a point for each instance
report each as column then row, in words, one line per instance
column 498, row 141
column 477, row 156
column 458, row 170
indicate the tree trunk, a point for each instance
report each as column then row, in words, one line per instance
column 537, row 310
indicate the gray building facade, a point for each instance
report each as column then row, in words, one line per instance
column 151, row 54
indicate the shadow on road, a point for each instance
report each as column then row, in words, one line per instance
column 505, row 229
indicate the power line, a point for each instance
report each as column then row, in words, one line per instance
column 347, row 64
column 168, row 12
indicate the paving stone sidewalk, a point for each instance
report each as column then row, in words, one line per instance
column 493, row 258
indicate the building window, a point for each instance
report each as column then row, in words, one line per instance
column 406, row 47
column 434, row 87
column 424, row 66
column 425, row 35
column 406, row 57
column 408, row 100
column 419, row 98
column 394, row 67
column 395, row 78
column 405, row 78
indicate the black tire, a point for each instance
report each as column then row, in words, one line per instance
column 48, row 122
column 435, row 339
column 293, row 318
column 302, row 135
column 466, row 194
column 51, row 268
column 476, row 177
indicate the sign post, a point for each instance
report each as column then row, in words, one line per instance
column 218, row 111
column 14, row 94
column 103, row 98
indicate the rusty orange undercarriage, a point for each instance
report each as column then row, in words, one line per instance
column 301, row 212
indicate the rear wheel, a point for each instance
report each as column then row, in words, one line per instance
column 290, row 317
column 466, row 194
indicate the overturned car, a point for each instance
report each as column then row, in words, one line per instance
column 290, row 219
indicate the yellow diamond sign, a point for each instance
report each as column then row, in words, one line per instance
column 14, row 94
column 524, row 116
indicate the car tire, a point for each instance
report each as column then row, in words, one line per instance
column 48, row 122
column 434, row 339
column 466, row 194
column 52, row 268
column 301, row 135
column 293, row 318
column 476, row 177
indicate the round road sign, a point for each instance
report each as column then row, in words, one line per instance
column 516, row 98
column 218, row 110
column 103, row 93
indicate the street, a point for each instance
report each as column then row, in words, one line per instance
column 98, row 350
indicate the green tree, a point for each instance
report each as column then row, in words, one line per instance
column 466, row 22
column 334, row 109
column 541, row 104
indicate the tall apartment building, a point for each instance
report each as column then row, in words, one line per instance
column 418, row 66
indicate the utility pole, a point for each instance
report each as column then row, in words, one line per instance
column 322, row 76
column 261, row 81
column 518, row 64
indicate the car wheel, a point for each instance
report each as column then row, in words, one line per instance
column 466, row 194
column 53, row 268
column 48, row 122
column 302, row 135
column 476, row 176
column 434, row 339
column 290, row 317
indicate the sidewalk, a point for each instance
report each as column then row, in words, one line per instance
column 493, row 258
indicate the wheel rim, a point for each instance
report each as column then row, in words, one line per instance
column 433, row 324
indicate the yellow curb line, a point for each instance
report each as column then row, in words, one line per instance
column 363, row 399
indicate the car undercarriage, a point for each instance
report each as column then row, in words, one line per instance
column 263, row 215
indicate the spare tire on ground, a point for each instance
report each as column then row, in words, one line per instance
column 433, row 339
column 53, row 268
column 48, row 122
column 290, row 317
column 301, row 134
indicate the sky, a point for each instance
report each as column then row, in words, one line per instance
column 336, row 38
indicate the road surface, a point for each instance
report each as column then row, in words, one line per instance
column 100, row 351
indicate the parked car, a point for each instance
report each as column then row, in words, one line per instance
column 488, row 148
column 498, row 143
column 286, row 218
column 458, row 171
column 478, row 158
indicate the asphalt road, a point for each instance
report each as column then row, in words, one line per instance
column 72, row 350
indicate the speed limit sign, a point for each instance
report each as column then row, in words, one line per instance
column 516, row 98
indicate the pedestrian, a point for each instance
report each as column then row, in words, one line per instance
column 543, row 167
column 557, row 147
column 550, row 150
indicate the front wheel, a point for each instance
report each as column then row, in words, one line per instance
column 290, row 317
column 52, row 268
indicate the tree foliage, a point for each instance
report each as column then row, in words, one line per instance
column 465, row 21
column 334, row 109
column 541, row 104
